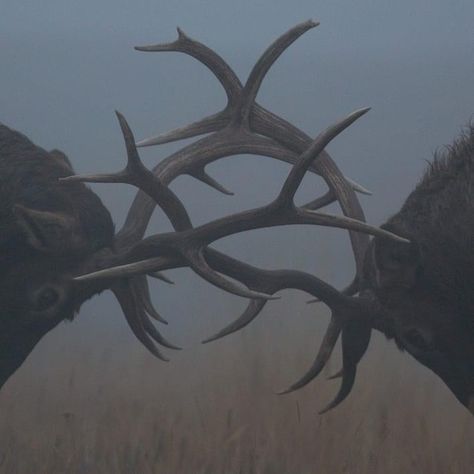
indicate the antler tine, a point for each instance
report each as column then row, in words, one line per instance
column 349, row 290
column 320, row 202
column 253, row 309
column 336, row 375
column 184, row 44
column 161, row 277
column 206, row 125
column 135, row 173
column 127, row 300
column 358, row 187
column 355, row 340
column 140, row 284
column 325, row 350
column 347, row 383
column 265, row 62
column 299, row 169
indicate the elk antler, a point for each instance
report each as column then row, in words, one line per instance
column 242, row 127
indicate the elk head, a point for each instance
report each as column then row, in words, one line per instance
column 424, row 289
column 47, row 230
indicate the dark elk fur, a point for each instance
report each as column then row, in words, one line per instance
column 46, row 229
column 426, row 289
column 414, row 280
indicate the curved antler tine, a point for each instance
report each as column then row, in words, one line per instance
column 136, row 174
column 358, row 187
column 223, row 72
column 157, row 336
column 336, row 375
column 320, row 202
column 126, row 299
column 201, row 175
column 140, row 285
column 317, row 146
column 160, row 276
column 206, row 125
column 266, row 60
column 251, row 312
column 348, row 377
column 325, row 351
column 132, row 153
column 198, row 264
column 129, row 269
column 349, row 290
column 119, row 177
column 355, row 341
column 144, row 306
column 144, row 179
column 343, row 222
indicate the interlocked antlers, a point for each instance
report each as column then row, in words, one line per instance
column 243, row 127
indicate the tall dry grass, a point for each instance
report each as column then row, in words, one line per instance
column 92, row 401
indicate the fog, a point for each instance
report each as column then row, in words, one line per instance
column 66, row 66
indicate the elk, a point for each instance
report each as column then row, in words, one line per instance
column 411, row 280
column 47, row 229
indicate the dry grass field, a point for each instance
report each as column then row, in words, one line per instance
column 92, row 401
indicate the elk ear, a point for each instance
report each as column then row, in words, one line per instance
column 46, row 231
column 397, row 264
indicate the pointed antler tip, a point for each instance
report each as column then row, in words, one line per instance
column 327, row 408
column 146, row 142
column 181, row 33
column 121, row 118
column 285, row 391
column 209, row 339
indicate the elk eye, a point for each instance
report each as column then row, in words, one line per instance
column 418, row 339
column 46, row 298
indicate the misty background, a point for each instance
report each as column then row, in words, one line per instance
column 65, row 67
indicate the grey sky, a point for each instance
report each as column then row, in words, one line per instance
column 431, row 24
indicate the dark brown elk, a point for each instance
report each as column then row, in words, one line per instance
column 47, row 229
column 398, row 288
